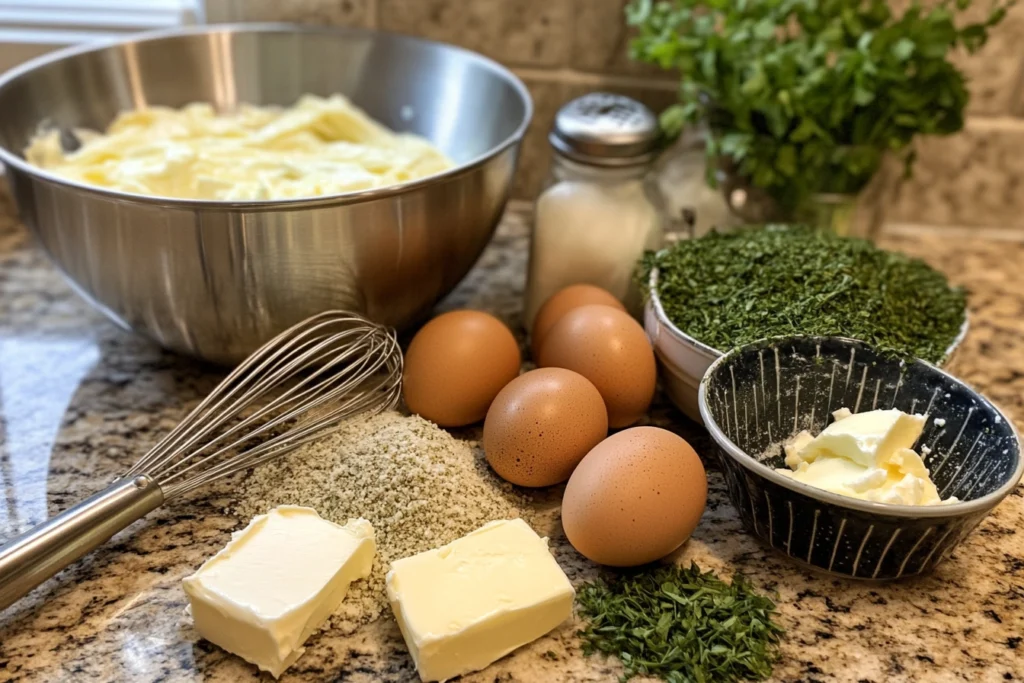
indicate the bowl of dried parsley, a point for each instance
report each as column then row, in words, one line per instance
column 708, row 295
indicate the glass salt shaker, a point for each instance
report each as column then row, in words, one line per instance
column 600, row 208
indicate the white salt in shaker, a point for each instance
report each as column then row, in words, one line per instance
column 600, row 209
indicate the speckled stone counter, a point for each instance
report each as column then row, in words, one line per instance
column 80, row 399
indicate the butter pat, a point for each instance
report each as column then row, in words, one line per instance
column 869, row 439
column 866, row 456
column 467, row 604
column 276, row 582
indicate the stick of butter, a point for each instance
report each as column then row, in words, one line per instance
column 467, row 604
column 276, row 582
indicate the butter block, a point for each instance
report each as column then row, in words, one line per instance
column 465, row 605
column 869, row 439
column 276, row 582
column 866, row 456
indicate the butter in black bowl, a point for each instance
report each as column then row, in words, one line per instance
column 757, row 396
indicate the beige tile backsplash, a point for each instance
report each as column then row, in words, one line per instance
column 994, row 72
column 601, row 40
column 331, row 13
column 563, row 48
column 532, row 33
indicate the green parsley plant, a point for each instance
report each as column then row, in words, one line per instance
column 807, row 96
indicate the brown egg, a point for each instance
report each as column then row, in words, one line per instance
column 560, row 303
column 609, row 348
column 455, row 366
column 541, row 425
column 635, row 498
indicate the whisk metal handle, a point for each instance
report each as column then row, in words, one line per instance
column 28, row 560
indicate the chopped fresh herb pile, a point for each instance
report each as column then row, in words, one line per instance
column 729, row 289
column 681, row 625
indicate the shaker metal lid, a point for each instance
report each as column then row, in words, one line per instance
column 604, row 129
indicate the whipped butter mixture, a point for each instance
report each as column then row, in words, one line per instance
column 318, row 146
column 868, row 456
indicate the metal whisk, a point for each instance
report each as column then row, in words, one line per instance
column 296, row 388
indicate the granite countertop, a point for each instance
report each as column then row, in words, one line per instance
column 81, row 399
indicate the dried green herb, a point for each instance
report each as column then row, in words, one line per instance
column 681, row 625
column 729, row 289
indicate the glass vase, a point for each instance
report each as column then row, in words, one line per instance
column 693, row 207
column 841, row 214
column 856, row 215
column 851, row 215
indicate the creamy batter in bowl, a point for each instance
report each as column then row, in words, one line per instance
column 317, row 146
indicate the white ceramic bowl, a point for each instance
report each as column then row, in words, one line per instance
column 682, row 360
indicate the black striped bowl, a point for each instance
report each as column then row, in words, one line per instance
column 758, row 395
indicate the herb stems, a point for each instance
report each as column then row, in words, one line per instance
column 681, row 625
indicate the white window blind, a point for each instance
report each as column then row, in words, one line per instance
column 29, row 28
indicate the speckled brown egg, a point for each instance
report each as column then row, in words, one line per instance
column 609, row 348
column 541, row 425
column 560, row 303
column 455, row 366
column 635, row 498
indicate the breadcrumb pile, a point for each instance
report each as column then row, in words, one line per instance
column 418, row 485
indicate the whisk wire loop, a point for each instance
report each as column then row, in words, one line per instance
column 292, row 395
column 259, row 369
column 286, row 408
column 291, row 391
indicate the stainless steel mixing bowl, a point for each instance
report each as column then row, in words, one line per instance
column 216, row 279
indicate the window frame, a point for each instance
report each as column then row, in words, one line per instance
column 30, row 28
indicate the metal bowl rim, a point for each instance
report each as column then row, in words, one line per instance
column 9, row 158
column 750, row 463
column 659, row 311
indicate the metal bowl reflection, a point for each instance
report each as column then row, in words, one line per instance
column 216, row 279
